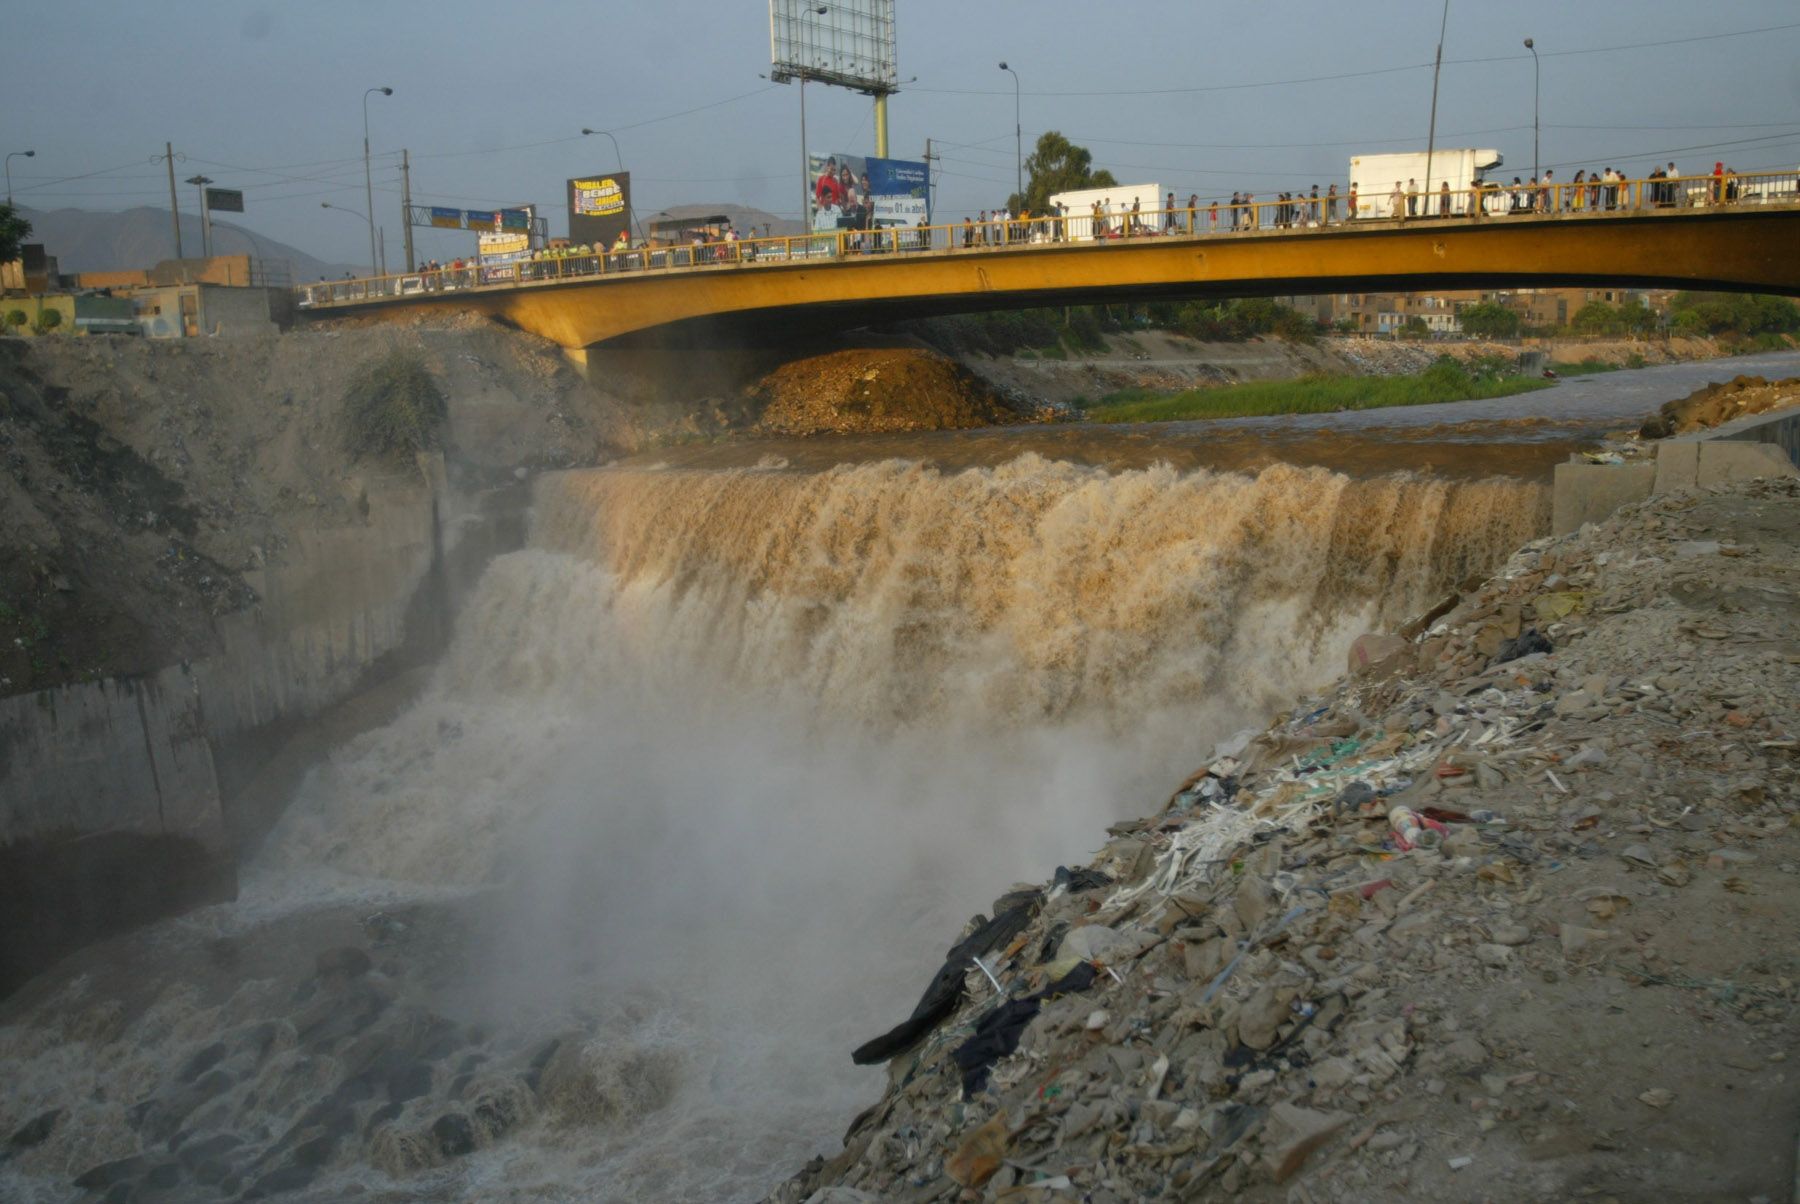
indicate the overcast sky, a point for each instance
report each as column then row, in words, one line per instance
column 1197, row 96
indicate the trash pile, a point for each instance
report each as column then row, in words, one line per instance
column 1504, row 915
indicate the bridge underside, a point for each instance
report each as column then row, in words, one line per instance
column 1730, row 250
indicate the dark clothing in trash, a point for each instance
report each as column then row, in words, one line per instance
column 997, row 1033
column 1080, row 880
column 945, row 993
column 1524, row 644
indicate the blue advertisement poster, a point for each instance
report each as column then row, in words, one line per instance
column 850, row 192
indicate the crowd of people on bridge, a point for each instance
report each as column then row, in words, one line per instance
column 1590, row 190
column 1605, row 189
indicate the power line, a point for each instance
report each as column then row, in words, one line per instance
column 1316, row 79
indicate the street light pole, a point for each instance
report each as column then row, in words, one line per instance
column 10, row 155
column 368, row 180
column 1018, row 139
column 1536, row 79
column 200, row 183
column 617, row 158
column 1431, row 133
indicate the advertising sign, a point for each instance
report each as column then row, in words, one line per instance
column 849, row 43
column 599, row 207
column 225, row 200
column 850, row 192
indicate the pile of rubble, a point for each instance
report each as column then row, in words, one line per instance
column 1505, row 915
column 1716, row 404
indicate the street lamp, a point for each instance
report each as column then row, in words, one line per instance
column 1536, row 77
column 368, row 182
column 10, row 155
column 1018, row 139
column 620, row 158
column 200, row 183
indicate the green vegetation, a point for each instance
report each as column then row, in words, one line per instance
column 1489, row 320
column 1059, row 333
column 1058, row 165
column 16, row 318
column 13, row 231
column 1746, row 314
column 48, row 320
column 393, row 409
column 1597, row 317
column 1445, row 380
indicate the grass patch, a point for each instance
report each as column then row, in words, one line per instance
column 1324, row 393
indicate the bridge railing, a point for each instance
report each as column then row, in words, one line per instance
column 1586, row 199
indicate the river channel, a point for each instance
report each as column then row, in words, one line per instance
column 714, row 770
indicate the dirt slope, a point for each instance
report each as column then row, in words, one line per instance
column 1581, row 984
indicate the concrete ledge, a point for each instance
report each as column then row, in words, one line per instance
column 1589, row 493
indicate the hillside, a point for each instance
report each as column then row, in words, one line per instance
column 85, row 240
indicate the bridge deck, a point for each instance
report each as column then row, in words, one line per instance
column 703, row 294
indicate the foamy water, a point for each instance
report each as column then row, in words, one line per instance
column 710, row 777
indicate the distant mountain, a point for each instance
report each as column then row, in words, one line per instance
column 743, row 217
column 87, row 241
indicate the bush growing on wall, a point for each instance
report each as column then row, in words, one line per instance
column 393, row 409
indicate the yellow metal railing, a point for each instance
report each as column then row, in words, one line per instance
column 1249, row 216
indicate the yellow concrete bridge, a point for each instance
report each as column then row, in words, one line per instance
column 770, row 289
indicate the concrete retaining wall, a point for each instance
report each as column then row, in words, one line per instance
column 113, row 756
column 1762, row 445
column 128, row 799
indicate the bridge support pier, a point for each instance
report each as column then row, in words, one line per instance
column 578, row 360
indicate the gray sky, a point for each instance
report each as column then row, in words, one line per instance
column 490, row 97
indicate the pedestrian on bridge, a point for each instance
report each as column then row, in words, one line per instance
column 1412, row 198
column 1331, row 205
column 1193, row 219
column 1170, row 222
column 1397, row 203
column 1444, row 199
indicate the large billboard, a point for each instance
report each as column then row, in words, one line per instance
column 849, row 192
column 849, row 43
column 599, row 207
column 504, row 242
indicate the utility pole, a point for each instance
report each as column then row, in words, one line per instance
column 406, row 206
column 174, row 209
column 881, row 145
column 1431, row 134
column 928, row 158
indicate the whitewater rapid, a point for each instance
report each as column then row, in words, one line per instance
column 713, row 771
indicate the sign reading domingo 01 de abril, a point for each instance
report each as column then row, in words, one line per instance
column 599, row 207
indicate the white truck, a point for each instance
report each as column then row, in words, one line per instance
column 1373, row 177
column 1150, row 199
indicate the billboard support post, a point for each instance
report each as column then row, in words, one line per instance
column 805, row 164
column 849, row 44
